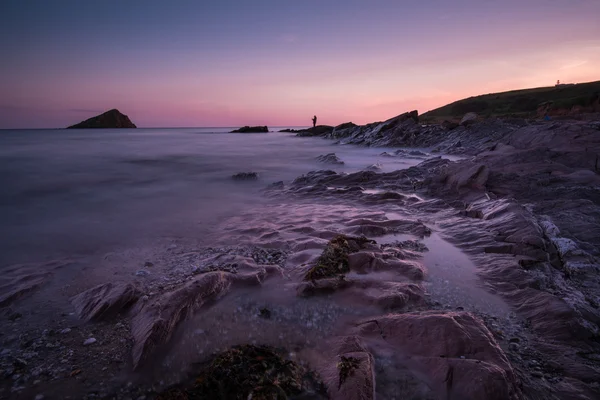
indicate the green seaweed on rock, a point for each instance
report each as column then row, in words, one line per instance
column 334, row 259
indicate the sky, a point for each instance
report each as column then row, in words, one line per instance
column 279, row 62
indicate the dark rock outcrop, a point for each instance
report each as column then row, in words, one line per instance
column 245, row 176
column 319, row 130
column 251, row 129
column 110, row 119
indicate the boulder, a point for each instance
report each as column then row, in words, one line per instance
column 105, row 301
column 110, row 119
column 450, row 125
column 251, row 129
column 455, row 352
column 468, row 119
column 245, row 176
column 330, row 158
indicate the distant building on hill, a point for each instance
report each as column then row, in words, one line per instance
column 558, row 84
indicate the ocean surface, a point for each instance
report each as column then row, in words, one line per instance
column 68, row 193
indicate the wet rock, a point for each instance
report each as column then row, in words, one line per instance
column 474, row 177
column 89, row 341
column 142, row 273
column 330, row 158
column 375, row 167
column 245, row 176
column 436, row 341
column 105, row 301
column 154, row 322
column 276, row 186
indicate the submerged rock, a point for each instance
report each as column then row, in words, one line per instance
column 110, row 119
column 245, row 176
column 330, row 158
column 251, row 129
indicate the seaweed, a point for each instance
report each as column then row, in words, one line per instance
column 248, row 371
column 334, row 259
column 347, row 366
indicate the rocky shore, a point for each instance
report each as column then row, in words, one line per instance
column 476, row 278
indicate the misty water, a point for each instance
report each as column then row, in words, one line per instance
column 77, row 192
column 158, row 208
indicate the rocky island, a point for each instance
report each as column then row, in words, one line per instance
column 108, row 120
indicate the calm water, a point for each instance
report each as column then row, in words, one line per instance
column 75, row 192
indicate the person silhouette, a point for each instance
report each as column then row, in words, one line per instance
column 314, row 120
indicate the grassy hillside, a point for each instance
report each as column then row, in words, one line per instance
column 520, row 102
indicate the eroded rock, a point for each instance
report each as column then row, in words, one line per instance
column 455, row 351
column 105, row 301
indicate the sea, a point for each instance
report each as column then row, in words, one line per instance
column 72, row 193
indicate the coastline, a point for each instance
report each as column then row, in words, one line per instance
column 509, row 204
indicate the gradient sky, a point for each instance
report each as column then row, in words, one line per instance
column 278, row 62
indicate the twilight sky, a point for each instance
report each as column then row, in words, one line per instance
column 278, row 62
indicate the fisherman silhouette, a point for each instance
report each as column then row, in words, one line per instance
column 314, row 120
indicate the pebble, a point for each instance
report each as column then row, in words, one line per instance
column 39, row 397
column 537, row 374
column 5, row 352
column 142, row 273
column 513, row 347
column 89, row 341
column 66, row 330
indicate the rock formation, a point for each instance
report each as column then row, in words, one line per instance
column 105, row 300
column 110, row 119
column 330, row 158
column 251, row 129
